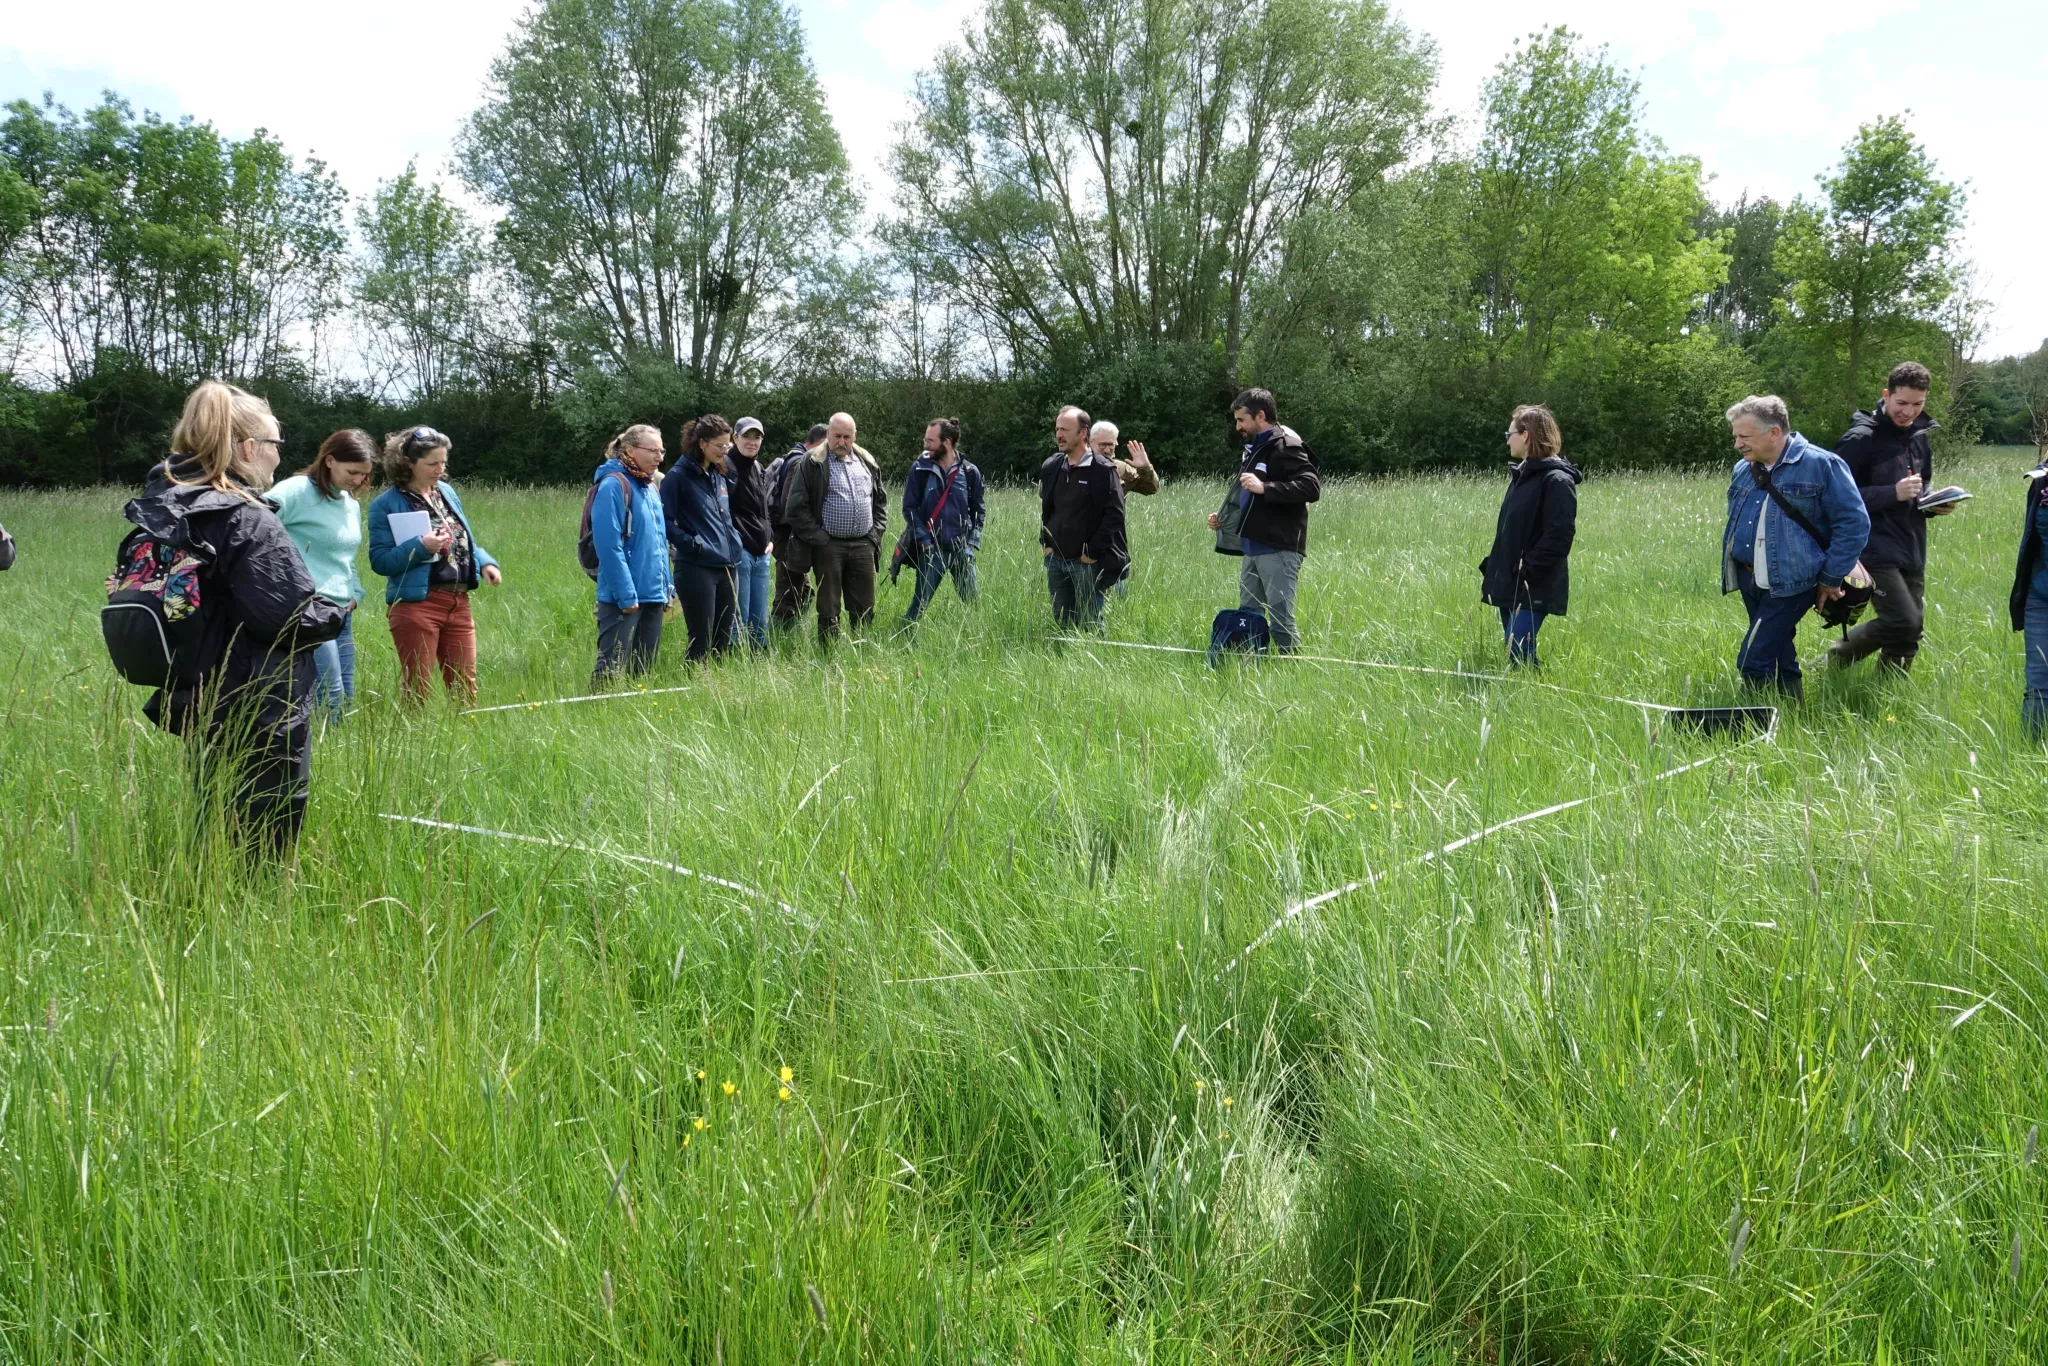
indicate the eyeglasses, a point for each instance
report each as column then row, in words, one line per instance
column 422, row 438
column 641, row 446
column 276, row 441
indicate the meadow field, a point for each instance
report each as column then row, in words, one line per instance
column 1000, row 1062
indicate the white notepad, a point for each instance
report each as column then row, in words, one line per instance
column 406, row 526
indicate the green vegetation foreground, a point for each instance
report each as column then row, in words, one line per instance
column 1741, row 1066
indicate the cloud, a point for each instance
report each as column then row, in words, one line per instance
column 906, row 35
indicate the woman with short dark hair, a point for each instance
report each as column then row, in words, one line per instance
column 318, row 508
column 1525, row 575
column 428, row 575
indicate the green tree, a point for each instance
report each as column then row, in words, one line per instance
column 1107, row 173
column 1580, row 228
column 669, row 176
column 178, row 250
column 1750, row 300
column 417, row 283
column 1871, row 268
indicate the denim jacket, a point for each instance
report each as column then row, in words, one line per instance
column 405, row 565
column 1819, row 484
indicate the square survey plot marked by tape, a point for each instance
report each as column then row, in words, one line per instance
column 1760, row 723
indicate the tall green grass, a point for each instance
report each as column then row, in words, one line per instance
column 1741, row 1066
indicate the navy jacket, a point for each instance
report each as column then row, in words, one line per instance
column 696, row 504
column 965, row 510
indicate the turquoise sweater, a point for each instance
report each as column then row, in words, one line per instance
column 327, row 531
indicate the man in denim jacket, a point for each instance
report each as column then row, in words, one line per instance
column 1779, row 569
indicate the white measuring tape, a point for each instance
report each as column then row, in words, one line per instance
column 1300, row 908
column 642, row 859
column 1377, row 664
column 565, row 701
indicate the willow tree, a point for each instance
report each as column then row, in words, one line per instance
column 1104, row 173
column 669, row 176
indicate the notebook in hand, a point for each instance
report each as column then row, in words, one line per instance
column 1942, row 497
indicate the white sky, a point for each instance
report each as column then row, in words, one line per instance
column 1765, row 92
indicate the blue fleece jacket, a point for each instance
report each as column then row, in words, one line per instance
column 697, row 507
column 405, row 565
column 632, row 571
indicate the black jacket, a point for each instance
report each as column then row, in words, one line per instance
column 1527, row 567
column 747, row 484
column 1081, row 513
column 261, row 616
column 6, row 549
column 804, row 497
column 2030, row 553
column 1279, row 517
column 1879, row 454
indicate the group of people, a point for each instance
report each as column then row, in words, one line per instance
column 740, row 549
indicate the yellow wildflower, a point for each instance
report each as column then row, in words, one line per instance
column 787, row 1075
column 728, row 1087
column 782, row 1093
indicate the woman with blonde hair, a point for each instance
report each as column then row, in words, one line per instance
column 318, row 507
column 623, row 514
column 428, row 575
column 243, row 693
column 1525, row 575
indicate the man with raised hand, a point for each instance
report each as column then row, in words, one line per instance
column 838, row 507
column 1889, row 453
column 1081, row 524
column 1277, row 480
column 1135, row 474
column 1796, row 525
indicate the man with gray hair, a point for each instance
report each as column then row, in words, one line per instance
column 1796, row 524
column 1136, row 474
column 837, row 505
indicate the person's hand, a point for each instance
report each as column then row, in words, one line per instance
column 492, row 576
column 1137, row 453
column 1251, row 482
column 1908, row 488
column 354, row 603
column 1215, row 522
column 437, row 541
column 1046, row 550
column 1823, row 595
column 770, row 550
column 629, row 611
column 1087, row 559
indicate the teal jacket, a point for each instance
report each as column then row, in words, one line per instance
column 404, row 564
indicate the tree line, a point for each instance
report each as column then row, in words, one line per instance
column 1140, row 206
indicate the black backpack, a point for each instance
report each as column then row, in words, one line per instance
column 152, row 622
column 586, row 548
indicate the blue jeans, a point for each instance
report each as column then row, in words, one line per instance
column 2034, row 707
column 335, row 662
column 1768, row 657
column 751, row 590
column 1076, row 592
column 933, row 564
column 1520, row 625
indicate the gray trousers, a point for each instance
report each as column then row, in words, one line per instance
column 1898, row 605
column 626, row 641
column 1076, row 592
column 1266, row 585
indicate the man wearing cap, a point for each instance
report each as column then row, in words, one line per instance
column 747, row 490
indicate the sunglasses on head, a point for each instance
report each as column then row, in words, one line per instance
column 422, row 438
